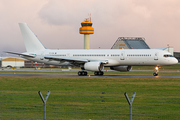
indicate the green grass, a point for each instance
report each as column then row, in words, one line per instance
column 83, row 98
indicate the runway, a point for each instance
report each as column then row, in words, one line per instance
column 104, row 76
column 69, row 71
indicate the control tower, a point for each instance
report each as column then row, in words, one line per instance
column 86, row 29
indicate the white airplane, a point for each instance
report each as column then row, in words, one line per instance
column 93, row 59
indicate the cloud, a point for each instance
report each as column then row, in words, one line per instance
column 64, row 12
column 70, row 12
column 57, row 22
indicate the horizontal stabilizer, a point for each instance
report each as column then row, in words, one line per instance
column 21, row 54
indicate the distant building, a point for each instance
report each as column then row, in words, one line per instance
column 11, row 62
column 177, row 56
column 130, row 43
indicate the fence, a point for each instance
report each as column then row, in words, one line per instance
column 88, row 105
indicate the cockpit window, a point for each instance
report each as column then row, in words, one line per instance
column 168, row 55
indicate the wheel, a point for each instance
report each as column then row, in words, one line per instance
column 82, row 73
column 79, row 73
column 85, row 73
column 101, row 73
column 96, row 73
column 155, row 74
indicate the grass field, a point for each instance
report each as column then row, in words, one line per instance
column 89, row 98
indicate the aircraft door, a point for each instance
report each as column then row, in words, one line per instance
column 122, row 55
column 42, row 54
column 156, row 56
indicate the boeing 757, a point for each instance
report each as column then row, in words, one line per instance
column 93, row 59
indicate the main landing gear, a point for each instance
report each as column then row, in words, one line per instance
column 98, row 73
column 84, row 73
column 156, row 71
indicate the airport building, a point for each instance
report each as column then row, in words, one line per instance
column 19, row 62
column 11, row 62
column 177, row 56
column 86, row 29
column 130, row 43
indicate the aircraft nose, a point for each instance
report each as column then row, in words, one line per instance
column 175, row 61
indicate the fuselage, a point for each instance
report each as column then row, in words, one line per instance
column 114, row 57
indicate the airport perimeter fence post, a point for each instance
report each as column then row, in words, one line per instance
column 44, row 103
column 130, row 103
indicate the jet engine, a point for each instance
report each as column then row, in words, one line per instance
column 122, row 68
column 94, row 66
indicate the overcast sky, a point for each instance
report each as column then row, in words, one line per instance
column 57, row 22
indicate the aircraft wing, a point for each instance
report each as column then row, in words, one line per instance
column 20, row 54
column 66, row 59
column 72, row 60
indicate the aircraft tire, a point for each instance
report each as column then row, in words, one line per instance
column 82, row 73
column 95, row 73
column 155, row 74
column 101, row 73
column 79, row 73
column 98, row 73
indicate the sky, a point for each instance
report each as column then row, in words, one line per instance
column 56, row 22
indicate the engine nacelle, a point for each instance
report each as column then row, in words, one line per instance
column 122, row 68
column 94, row 66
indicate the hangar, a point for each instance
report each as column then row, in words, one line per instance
column 130, row 43
column 177, row 56
column 11, row 62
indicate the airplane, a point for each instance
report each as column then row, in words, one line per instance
column 93, row 59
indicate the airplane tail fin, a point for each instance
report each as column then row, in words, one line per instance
column 31, row 42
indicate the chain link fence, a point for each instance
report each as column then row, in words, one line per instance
column 88, row 106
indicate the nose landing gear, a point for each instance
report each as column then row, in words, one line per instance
column 156, row 70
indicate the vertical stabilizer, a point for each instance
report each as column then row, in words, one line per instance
column 31, row 42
